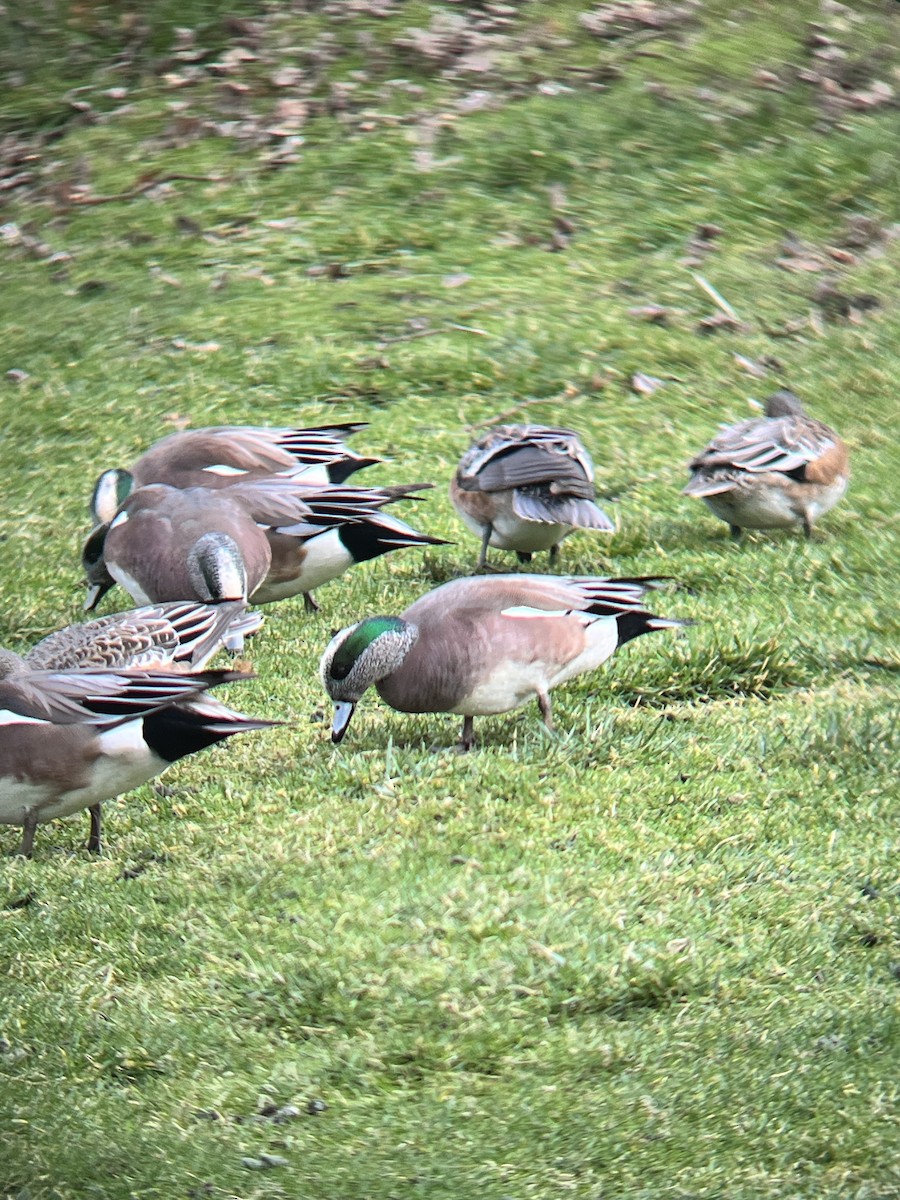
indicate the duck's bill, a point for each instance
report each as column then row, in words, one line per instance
column 96, row 592
column 343, row 711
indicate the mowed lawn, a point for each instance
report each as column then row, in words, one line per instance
column 655, row 953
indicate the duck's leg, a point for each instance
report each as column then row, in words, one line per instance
column 485, row 539
column 309, row 603
column 736, row 532
column 546, row 708
column 29, row 825
column 807, row 527
column 523, row 556
column 554, row 552
column 467, row 737
column 94, row 842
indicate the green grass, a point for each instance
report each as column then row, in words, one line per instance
column 654, row 954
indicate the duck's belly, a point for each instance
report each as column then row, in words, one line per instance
column 759, row 507
column 507, row 686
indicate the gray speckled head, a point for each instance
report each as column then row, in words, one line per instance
column 784, row 403
column 358, row 657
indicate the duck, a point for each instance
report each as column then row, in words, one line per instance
column 772, row 472
column 71, row 739
column 178, row 636
column 219, row 455
column 525, row 488
column 486, row 644
column 262, row 541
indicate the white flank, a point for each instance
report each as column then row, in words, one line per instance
column 326, row 558
column 125, row 762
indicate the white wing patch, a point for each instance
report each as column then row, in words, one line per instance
column 119, row 520
column 7, row 717
column 526, row 611
column 224, row 469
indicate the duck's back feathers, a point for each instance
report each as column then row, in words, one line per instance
column 784, row 442
column 522, row 456
column 181, row 635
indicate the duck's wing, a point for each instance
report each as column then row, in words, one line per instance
column 765, row 444
column 180, row 635
column 101, row 698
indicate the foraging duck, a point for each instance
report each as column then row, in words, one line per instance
column 181, row 636
column 771, row 472
column 260, row 541
column 72, row 739
column 525, row 488
column 485, row 645
column 225, row 454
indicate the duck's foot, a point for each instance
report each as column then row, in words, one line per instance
column 94, row 842
column 736, row 532
column 523, row 556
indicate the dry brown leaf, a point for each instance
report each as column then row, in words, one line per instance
column 646, row 385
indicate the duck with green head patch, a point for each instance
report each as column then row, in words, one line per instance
column 221, row 455
column 485, row 645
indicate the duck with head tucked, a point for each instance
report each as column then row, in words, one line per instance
column 772, row 472
column 72, row 739
column 181, row 638
column 220, row 455
column 261, row 541
column 525, row 488
column 485, row 645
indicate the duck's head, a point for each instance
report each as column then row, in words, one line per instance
column 784, row 403
column 358, row 657
column 111, row 489
column 98, row 578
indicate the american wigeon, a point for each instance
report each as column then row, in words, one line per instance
column 224, row 454
column 485, row 645
column 260, row 541
column 179, row 636
column 771, row 472
column 525, row 488
column 72, row 739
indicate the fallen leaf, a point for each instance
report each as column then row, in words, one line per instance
column 646, row 385
column 718, row 321
column 757, row 370
column 656, row 314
